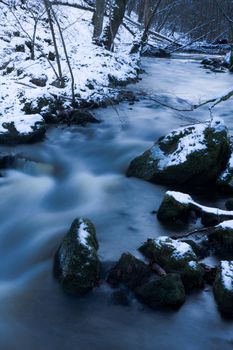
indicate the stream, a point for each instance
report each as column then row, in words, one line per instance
column 80, row 172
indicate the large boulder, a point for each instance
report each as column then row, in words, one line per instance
column 129, row 271
column 223, row 288
column 77, row 266
column 191, row 155
column 167, row 291
column 21, row 129
column 175, row 257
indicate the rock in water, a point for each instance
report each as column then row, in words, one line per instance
column 223, row 288
column 192, row 155
column 222, row 237
column 175, row 257
column 167, row 291
column 129, row 271
column 77, row 265
column 180, row 206
column 21, row 129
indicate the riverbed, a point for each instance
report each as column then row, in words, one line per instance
column 78, row 172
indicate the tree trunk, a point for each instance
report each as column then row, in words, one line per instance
column 141, row 5
column 98, row 19
column 140, row 43
column 50, row 20
column 116, row 17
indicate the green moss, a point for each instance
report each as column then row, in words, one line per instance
column 172, row 210
column 166, row 291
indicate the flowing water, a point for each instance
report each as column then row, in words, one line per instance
column 80, row 172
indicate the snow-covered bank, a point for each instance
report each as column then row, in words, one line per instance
column 27, row 86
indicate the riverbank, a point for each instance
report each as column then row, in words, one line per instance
column 29, row 86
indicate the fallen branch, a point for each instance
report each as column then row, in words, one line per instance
column 24, row 84
column 215, row 101
column 204, row 230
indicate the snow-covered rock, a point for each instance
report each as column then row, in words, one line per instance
column 223, row 288
column 190, row 155
column 21, row 129
column 222, row 237
column 178, row 206
column 175, row 257
column 77, row 265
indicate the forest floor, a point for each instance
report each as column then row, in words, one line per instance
column 26, row 82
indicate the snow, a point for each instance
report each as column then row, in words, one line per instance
column 180, row 197
column 92, row 65
column 186, row 199
column 193, row 264
column 228, row 57
column 227, row 225
column 180, row 249
column 24, row 124
column 191, row 139
column 83, row 234
column 226, row 270
column 229, row 169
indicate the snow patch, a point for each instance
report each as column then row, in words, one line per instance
column 24, row 124
column 226, row 270
column 227, row 225
column 180, row 249
column 83, row 234
column 184, row 198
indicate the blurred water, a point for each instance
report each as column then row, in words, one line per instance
column 81, row 173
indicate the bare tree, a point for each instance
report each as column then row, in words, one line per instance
column 48, row 9
column 141, row 41
column 67, row 57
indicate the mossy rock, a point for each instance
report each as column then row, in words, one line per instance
column 129, row 271
column 77, row 265
column 166, row 291
column 175, row 257
column 223, row 288
column 172, row 210
column 222, row 237
column 193, row 155
column 199, row 249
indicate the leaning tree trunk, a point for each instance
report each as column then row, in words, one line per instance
column 115, row 20
column 143, row 38
column 98, row 19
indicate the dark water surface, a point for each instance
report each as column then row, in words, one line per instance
column 81, row 173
